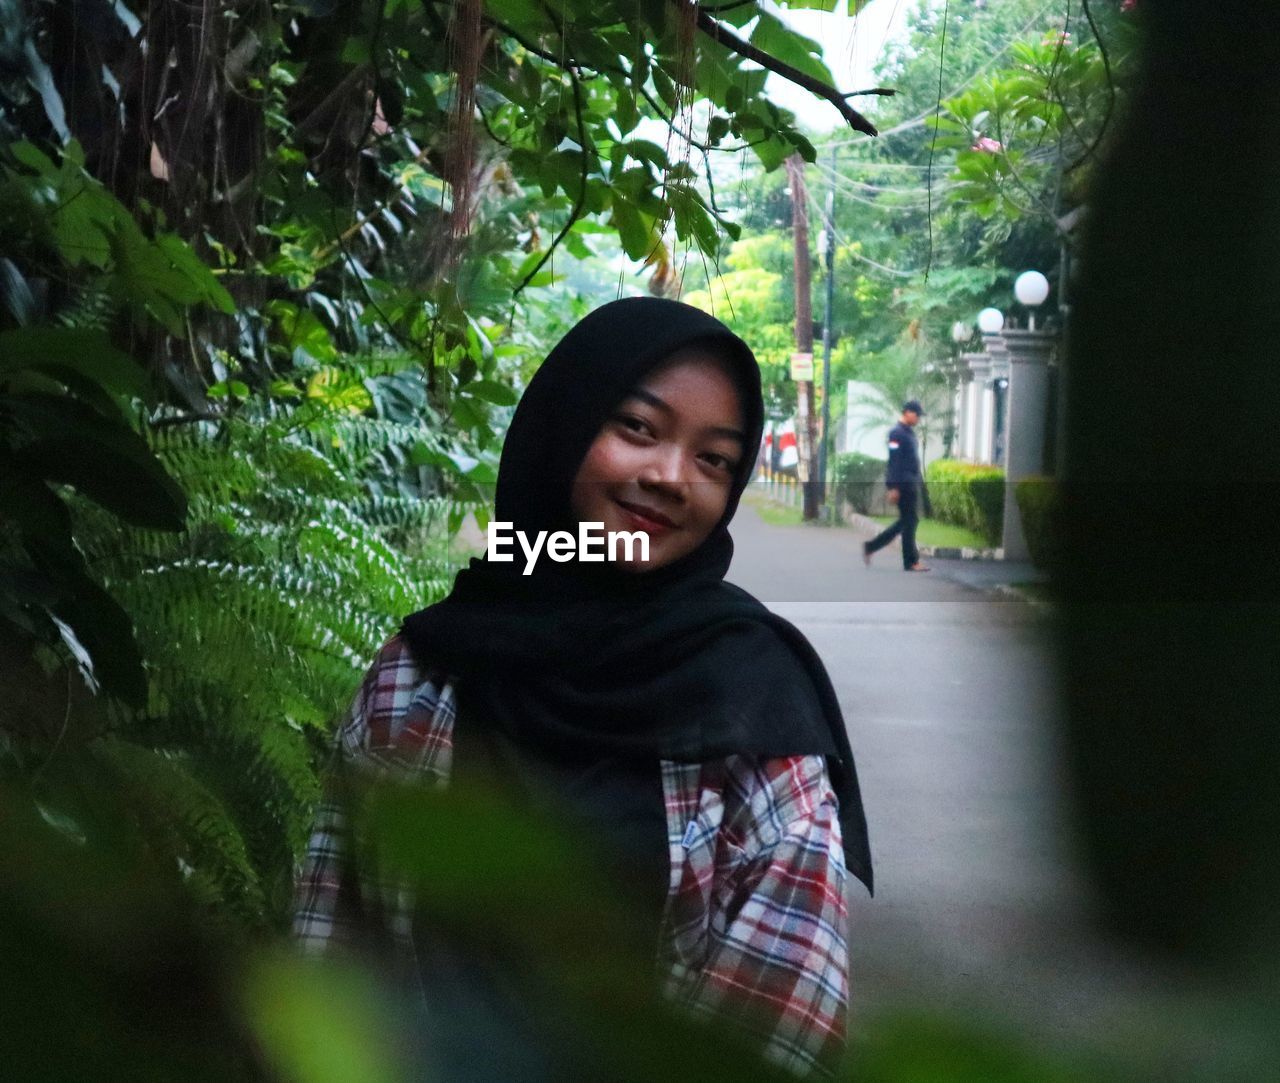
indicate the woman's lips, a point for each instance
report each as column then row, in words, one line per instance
column 646, row 519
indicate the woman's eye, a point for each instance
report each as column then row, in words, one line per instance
column 719, row 462
column 634, row 424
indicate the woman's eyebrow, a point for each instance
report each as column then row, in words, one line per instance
column 649, row 397
column 661, row 404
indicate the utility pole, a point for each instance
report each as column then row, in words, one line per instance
column 804, row 333
column 829, row 245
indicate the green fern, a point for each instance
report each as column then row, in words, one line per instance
column 257, row 623
column 180, row 815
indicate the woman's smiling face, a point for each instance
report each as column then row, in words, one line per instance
column 665, row 460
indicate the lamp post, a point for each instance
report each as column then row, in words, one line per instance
column 990, row 321
column 1031, row 288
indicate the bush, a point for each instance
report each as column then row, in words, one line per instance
column 854, row 477
column 969, row 495
column 1038, row 503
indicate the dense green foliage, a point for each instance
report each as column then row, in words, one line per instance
column 854, row 477
column 1039, row 504
column 969, row 495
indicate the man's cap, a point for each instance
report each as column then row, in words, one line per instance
column 914, row 406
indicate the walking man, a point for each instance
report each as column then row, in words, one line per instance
column 903, row 482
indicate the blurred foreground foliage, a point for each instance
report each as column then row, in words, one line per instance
column 115, row 971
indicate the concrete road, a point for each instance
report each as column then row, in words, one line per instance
column 950, row 701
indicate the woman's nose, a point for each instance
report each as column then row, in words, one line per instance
column 665, row 469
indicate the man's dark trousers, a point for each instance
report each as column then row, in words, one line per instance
column 908, row 517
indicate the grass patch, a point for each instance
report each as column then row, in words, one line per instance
column 932, row 532
column 774, row 512
column 778, row 514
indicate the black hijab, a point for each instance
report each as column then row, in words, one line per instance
column 580, row 660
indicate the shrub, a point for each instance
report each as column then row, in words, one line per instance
column 1038, row 503
column 854, row 477
column 969, row 495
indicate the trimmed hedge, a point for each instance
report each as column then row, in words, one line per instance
column 969, row 495
column 1038, row 503
column 854, row 476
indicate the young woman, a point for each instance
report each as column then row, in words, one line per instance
column 691, row 733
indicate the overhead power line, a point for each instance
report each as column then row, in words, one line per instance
column 848, row 249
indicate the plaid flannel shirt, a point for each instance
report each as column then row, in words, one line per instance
column 754, row 924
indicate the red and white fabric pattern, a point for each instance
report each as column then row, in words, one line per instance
column 754, row 926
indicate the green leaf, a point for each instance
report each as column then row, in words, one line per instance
column 805, row 149
column 530, row 81
column 772, row 152
column 320, row 1024
column 627, row 115
column 492, row 391
column 814, row 5
column 665, row 87
column 89, row 353
column 356, row 51
column 90, row 622
column 783, row 43
column 526, row 15
column 632, row 231
column 105, row 461
column 33, row 158
column 183, row 259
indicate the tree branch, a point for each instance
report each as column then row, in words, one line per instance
column 581, row 199
column 746, row 50
column 1111, row 88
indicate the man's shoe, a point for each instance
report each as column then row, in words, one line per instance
column 918, row 567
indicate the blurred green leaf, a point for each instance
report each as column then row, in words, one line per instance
column 322, row 1023
column 89, row 353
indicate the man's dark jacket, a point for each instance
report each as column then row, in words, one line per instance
column 904, row 457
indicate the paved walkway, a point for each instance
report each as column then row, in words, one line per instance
column 948, row 690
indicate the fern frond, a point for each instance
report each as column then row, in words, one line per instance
column 185, row 819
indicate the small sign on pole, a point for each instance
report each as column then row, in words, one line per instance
column 801, row 366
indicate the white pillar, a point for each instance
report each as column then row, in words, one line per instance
column 971, row 405
column 1026, row 424
column 980, row 365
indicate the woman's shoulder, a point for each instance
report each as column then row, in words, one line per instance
column 401, row 700
column 768, row 797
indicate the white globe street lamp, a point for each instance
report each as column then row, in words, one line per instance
column 1031, row 288
column 961, row 332
column 990, row 321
